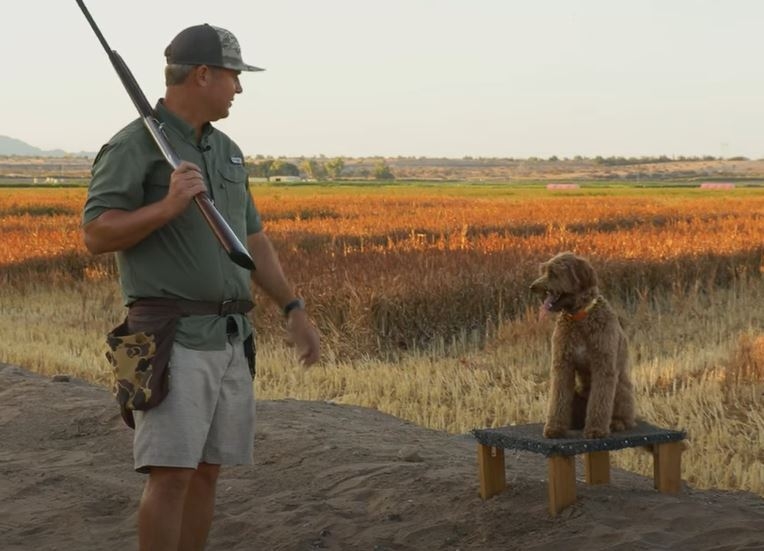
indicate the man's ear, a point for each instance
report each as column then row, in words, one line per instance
column 203, row 75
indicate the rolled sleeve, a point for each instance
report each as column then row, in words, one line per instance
column 117, row 180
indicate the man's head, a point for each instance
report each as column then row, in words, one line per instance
column 207, row 45
column 203, row 66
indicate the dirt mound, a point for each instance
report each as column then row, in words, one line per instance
column 327, row 477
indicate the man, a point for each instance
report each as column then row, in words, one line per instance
column 140, row 208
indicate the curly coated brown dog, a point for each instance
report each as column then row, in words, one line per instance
column 588, row 344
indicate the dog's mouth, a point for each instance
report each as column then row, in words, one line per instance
column 558, row 302
column 552, row 302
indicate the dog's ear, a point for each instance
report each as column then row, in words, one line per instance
column 584, row 273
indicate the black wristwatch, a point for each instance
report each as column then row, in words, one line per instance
column 292, row 304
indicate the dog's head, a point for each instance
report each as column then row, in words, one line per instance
column 567, row 281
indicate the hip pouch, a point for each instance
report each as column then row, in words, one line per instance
column 139, row 353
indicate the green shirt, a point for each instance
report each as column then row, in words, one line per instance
column 182, row 259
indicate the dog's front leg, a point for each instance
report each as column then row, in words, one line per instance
column 599, row 410
column 561, row 392
column 624, row 409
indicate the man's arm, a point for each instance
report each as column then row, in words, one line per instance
column 269, row 276
column 117, row 230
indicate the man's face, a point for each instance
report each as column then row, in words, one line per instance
column 223, row 86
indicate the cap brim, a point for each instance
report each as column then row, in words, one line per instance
column 242, row 67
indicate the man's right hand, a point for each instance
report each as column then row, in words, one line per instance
column 186, row 182
column 117, row 230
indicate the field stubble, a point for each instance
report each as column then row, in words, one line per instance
column 421, row 295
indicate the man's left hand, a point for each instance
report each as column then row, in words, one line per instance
column 303, row 334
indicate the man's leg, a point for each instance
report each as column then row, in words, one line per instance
column 199, row 507
column 161, row 510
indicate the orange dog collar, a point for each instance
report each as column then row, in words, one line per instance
column 583, row 312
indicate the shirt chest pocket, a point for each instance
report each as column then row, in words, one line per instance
column 232, row 182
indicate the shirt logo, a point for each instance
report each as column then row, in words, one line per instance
column 236, row 160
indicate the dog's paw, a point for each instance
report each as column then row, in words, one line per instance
column 595, row 433
column 553, row 432
column 617, row 425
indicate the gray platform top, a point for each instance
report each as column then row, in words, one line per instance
column 530, row 438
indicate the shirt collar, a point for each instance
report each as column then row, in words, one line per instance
column 178, row 125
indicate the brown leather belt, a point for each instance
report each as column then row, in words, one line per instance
column 194, row 307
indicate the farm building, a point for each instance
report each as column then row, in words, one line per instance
column 285, row 179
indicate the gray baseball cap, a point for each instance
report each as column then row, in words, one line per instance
column 207, row 45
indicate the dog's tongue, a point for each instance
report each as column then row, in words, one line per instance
column 546, row 308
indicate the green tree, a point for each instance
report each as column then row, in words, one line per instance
column 382, row 171
column 335, row 167
column 283, row 168
column 313, row 169
column 261, row 169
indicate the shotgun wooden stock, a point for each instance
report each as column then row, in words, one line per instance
column 236, row 251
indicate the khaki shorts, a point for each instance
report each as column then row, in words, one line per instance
column 208, row 415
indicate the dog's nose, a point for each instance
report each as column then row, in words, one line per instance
column 540, row 285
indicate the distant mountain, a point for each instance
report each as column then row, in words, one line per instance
column 12, row 146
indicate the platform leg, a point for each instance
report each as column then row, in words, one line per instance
column 667, row 467
column 491, row 470
column 562, row 482
column 597, row 467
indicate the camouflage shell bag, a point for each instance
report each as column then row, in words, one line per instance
column 139, row 361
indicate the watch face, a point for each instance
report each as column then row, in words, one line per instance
column 294, row 304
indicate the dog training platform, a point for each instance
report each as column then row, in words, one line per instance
column 666, row 444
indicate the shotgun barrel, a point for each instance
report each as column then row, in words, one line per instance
column 237, row 252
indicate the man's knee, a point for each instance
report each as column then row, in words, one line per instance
column 169, row 481
column 207, row 473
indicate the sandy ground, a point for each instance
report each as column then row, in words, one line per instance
column 327, row 477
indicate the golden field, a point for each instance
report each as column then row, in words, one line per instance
column 420, row 292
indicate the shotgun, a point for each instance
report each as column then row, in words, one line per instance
column 223, row 232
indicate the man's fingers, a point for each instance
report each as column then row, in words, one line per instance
column 197, row 187
column 187, row 181
column 309, row 357
column 186, row 166
column 310, row 349
column 302, row 334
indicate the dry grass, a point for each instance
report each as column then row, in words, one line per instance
column 426, row 314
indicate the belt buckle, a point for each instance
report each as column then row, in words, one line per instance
column 225, row 306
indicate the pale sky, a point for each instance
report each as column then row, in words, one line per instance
column 445, row 78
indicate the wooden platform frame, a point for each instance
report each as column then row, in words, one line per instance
column 561, row 482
